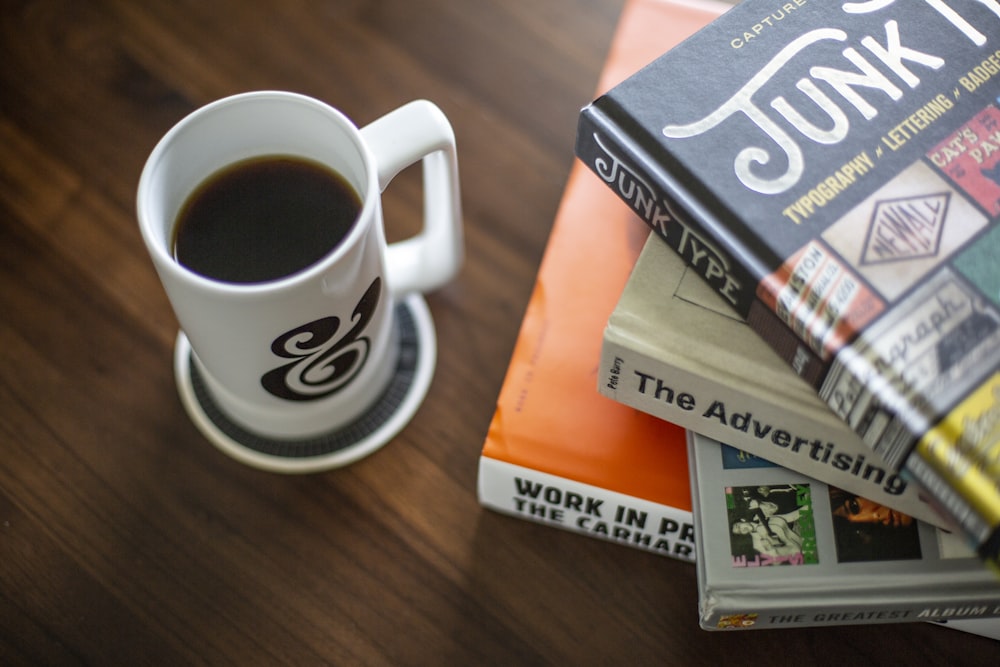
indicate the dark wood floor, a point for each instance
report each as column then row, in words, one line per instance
column 126, row 539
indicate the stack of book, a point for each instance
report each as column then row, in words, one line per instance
column 848, row 347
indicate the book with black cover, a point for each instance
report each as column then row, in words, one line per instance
column 832, row 170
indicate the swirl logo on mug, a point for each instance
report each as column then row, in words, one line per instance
column 324, row 363
column 305, row 343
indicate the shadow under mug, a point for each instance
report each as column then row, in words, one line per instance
column 294, row 359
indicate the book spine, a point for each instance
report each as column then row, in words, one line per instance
column 585, row 509
column 791, row 440
column 622, row 165
column 724, row 613
column 679, row 219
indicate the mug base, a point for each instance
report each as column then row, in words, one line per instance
column 339, row 447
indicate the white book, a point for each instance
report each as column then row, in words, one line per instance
column 673, row 348
column 777, row 549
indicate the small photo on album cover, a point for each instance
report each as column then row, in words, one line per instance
column 737, row 459
column 771, row 525
column 864, row 530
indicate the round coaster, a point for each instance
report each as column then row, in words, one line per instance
column 369, row 432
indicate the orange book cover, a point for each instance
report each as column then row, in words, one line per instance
column 557, row 451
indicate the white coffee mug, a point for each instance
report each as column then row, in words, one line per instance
column 307, row 353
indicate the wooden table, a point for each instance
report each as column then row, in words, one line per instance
column 126, row 538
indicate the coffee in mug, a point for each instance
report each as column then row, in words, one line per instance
column 264, row 218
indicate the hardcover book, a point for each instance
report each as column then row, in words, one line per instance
column 673, row 348
column 557, row 452
column 777, row 549
column 831, row 169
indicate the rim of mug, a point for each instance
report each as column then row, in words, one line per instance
column 152, row 232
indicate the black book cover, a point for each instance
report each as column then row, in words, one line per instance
column 832, row 169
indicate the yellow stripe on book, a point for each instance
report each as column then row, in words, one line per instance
column 964, row 448
column 973, row 428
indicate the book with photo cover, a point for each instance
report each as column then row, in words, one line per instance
column 777, row 549
column 673, row 348
column 831, row 170
column 556, row 451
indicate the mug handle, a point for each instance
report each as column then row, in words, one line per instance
column 415, row 131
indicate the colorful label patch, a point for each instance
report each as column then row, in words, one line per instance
column 820, row 298
column 980, row 262
column 915, row 362
column 970, row 157
column 905, row 230
column 965, row 448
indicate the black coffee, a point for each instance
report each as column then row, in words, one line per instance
column 263, row 219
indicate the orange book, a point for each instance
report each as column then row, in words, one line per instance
column 558, row 452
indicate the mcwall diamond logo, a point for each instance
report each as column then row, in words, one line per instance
column 906, row 228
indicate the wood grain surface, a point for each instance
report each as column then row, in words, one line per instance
column 127, row 539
